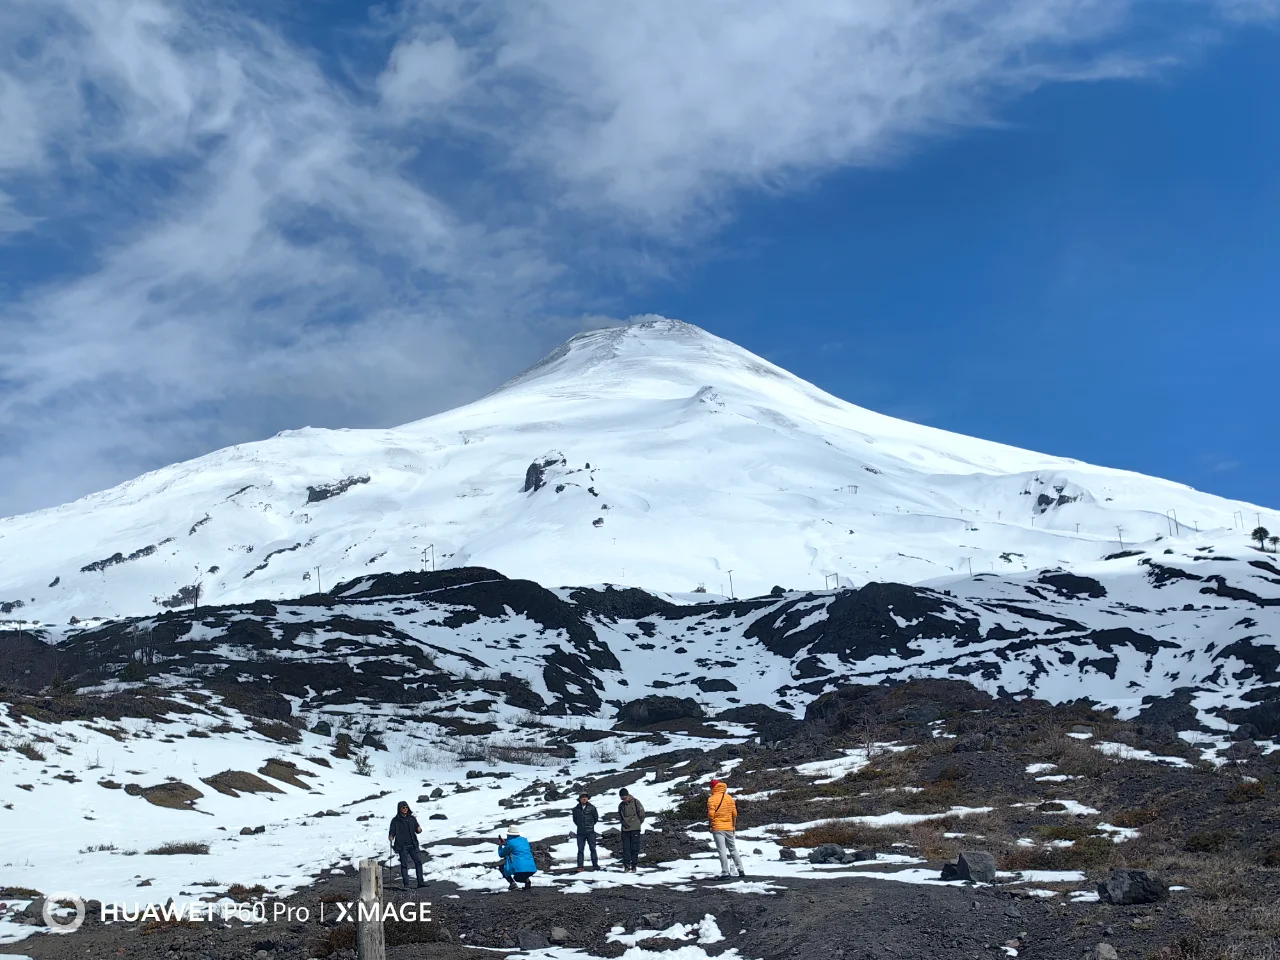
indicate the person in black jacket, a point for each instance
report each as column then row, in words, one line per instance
column 585, row 817
column 631, row 815
column 404, row 841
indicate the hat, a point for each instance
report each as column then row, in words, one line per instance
column 716, row 783
column 513, row 831
column 581, row 795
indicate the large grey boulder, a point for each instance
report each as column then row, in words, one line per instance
column 827, row 853
column 1126, row 887
column 1246, row 731
column 656, row 709
column 977, row 866
column 1243, row 750
column 529, row 940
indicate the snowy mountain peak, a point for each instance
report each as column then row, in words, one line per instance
column 654, row 454
column 652, row 355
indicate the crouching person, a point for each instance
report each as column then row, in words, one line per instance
column 517, row 859
column 404, row 841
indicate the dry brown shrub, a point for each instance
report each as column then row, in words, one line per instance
column 1082, row 855
column 1135, row 818
column 335, row 939
column 1246, row 790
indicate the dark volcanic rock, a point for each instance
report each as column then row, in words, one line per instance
column 1175, row 711
column 976, row 865
column 827, row 853
column 1243, row 750
column 657, row 709
column 1125, row 887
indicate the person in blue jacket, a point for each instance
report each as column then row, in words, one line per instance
column 517, row 859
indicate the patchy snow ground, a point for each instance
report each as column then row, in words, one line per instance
column 104, row 835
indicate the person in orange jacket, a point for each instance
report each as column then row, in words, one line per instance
column 723, row 814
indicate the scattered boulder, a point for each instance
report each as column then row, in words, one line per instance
column 437, row 816
column 1125, row 887
column 373, row 742
column 976, row 865
column 1243, row 750
column 424, row 798
column 322, row 729
column 559, row 935
column 1246, row 731
column 1103, row 951
column 529, row 940
column 252, row 831
column 787, row 854
column 859, row 856
column 827, row 853
column 437, row 793
column 657, row 709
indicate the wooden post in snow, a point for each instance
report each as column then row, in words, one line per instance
column 371, row 940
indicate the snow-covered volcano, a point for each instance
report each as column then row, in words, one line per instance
column 654, row 454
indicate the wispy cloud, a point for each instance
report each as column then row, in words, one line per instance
column 221, row 239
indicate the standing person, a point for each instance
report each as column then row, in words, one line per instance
column 631, row 813
column 723, row 814
column 517, row 859
column 403, row 836
column 585, row 818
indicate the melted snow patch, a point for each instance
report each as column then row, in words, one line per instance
column 1122, row 751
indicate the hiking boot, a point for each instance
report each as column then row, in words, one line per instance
column 583, row 869
column 528, row 884
column 741, row 875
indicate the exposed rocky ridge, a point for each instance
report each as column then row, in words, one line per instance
column 458, row 636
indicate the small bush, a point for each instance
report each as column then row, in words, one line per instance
column 690, row 810
column 31, row 752
column 1245, row 791
column 240, row 893
column 100, row 848
column 277, row 731
column 1135, row 818
column 1081, row 855
column 175, row 849
column 335, row 939
column 1065, row 831
column 18, row 893
column 364, row 766
column 604, row 752
column 1210, row 841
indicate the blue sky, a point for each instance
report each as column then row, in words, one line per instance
column 1051, row 223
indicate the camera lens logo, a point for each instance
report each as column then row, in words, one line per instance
column 63, row 923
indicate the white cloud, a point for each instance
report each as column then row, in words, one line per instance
column 420, row 73
column 660, row 107
column 253, row 243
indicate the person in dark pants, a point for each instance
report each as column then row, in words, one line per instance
column 517, row 863
column 631, row 813
column 585, row 818
column 404, row 841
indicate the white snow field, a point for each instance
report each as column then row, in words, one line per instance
column 672, row 457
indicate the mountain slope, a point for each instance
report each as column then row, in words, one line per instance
column 654, row 454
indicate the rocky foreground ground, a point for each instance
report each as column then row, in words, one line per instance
column 1061, row 813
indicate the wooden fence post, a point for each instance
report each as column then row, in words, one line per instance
column 371, row 941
